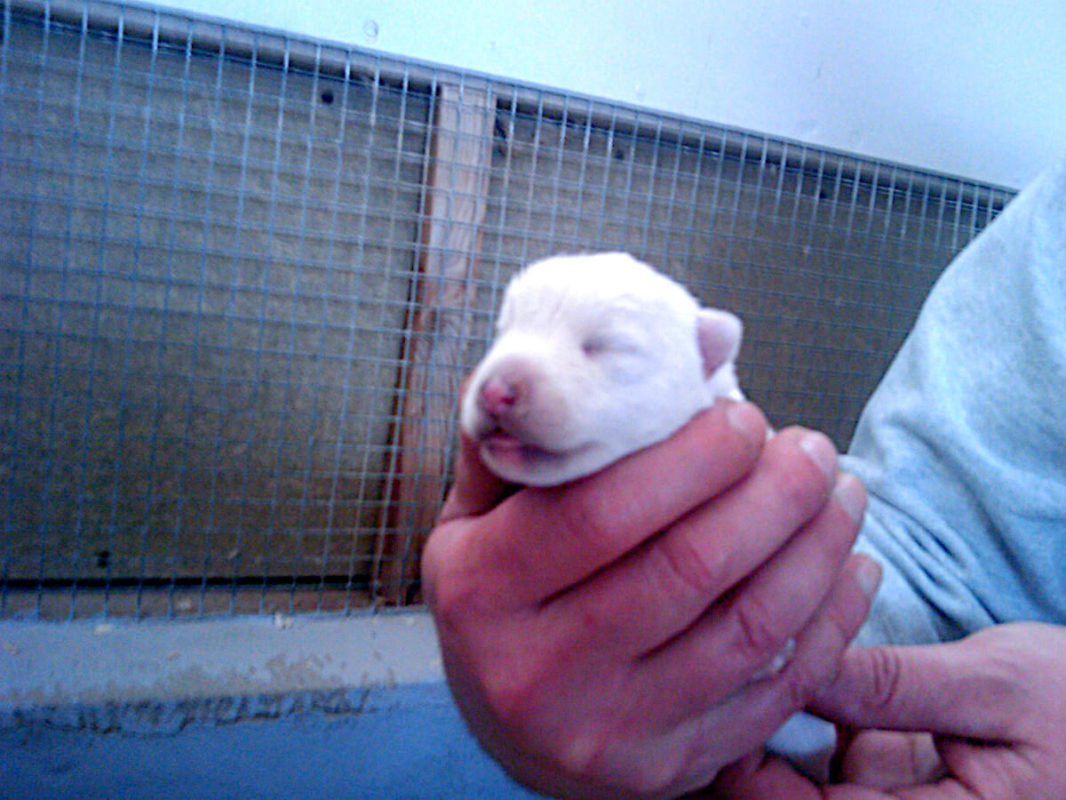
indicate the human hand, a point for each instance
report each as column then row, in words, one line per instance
column 601, row 638
column 981, row 718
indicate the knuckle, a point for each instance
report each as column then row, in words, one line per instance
column 845, row 612
column 459, row 582
column 587, row 517
column 594, row 519
column 794, row 472
column 655, row 778
column 801, row 681
column 433, row 566
column 758, row 636
column 687, row 570
column 886, row 679
column 455, row 597
column 451, row 612
column 1005, row 677
column 518, row 691
column 511, row 697
column 586, row 754
column 523, row 689
column 799, row 484
column 601, row 755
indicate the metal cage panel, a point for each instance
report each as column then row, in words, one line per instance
column 243, row 273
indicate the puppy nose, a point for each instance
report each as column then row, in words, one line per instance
column 498, row 396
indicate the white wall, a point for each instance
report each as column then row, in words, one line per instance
column 969, row 87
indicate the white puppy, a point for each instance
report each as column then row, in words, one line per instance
column 596, row 356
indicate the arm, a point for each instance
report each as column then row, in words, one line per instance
column 960, row 447
column 601, row 638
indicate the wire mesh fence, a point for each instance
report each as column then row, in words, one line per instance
column 242, row 274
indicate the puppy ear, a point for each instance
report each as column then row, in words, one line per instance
column 718, row 336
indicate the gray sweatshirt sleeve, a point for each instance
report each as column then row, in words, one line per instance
column 963, row 445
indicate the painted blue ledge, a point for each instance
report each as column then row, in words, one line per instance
column 259, row 707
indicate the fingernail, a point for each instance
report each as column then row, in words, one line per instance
column 868, row 576
column 747, row 420
column 851, row 495
column 822, row 453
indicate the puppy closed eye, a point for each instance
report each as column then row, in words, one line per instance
column 594, row 345
column 601, row 345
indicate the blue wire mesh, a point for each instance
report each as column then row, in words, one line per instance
column 210, row 241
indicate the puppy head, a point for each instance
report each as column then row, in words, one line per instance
column 595, row 357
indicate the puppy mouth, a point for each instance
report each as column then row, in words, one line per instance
column 505, row 446
column 520, row 456
column 519, row 459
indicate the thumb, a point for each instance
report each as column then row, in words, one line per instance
column 955, row 689
column 476, row 490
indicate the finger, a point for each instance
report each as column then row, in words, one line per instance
column 781, row 598
column 766, row 777
column 762, row 706
column 662, row 589
column 716, row 729
column 818, row 651
column 774, row 778
column 932, row 688
column 890, row 760
column 549, row 539
column 476, row 489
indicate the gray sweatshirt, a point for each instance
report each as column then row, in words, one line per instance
column 963, row 445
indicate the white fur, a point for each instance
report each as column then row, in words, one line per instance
column 598, row 356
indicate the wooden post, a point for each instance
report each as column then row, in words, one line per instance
column 455, row 212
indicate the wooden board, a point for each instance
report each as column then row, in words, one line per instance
column 455, row 211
